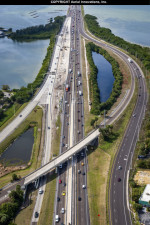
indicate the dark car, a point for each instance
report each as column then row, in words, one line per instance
column 83, row 173
column 64, row 184
column 36, row 215
column 79, row 198
column 58, row 199
column 119, row 179
column 20, row 115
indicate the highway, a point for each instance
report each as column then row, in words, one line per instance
column 118, row 195
column 119, row 211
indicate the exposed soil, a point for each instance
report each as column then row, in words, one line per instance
column 142, row 177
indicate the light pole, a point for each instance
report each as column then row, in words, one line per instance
column 14, row 109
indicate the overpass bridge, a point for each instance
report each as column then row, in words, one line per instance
column 61, row 158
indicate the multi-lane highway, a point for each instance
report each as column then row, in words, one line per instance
column 119, row 211
column 73, row 97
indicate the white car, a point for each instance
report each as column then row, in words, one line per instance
column 62, row 210
column 40, row 191
column 83, row 186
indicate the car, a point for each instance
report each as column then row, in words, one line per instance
column 48, row 127
column 79, row 198
column 60, row 181
column 83, row 186
column 119, row 179
column 134, row 115
column 62, row 210
column 66, row 145
column 64, row 184
column 36, row 214
column 82, row 164
column 58, row 199
column 20, row 115
column 49, row 93
column 63, row 137
column 60, row 166
column 40, row 191
column 78, row 132
column 119, row 167
column 79, row 171
column 63, row 193
column 83, row 173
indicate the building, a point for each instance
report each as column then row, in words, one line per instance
column 145, row 197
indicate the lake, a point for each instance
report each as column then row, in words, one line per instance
column 20, row 62
column 105, row 78
column 131, row 22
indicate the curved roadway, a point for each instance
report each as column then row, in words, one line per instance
column 119, row 211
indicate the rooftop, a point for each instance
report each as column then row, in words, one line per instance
column 146, row 194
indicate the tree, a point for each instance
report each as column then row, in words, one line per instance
column 14, row 177
column 1, row 94
column 92, row 122
column 1, row 113
column 5, row 87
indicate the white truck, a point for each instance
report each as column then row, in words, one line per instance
column 79, row 82
column 80, row 93
column 56, row 218
column 130, row 60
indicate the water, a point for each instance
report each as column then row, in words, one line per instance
column 21, row 149
column 20, row 62
column 105, row 78
column 131, row 22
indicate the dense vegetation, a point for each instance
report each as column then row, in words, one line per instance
column 9, row 210
column 24, row 94
column 142, row 53
column 97, row 107
column 39, row 32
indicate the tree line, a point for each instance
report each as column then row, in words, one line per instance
column 142, row 53
column 9, row 210
column 40, row 31
column 98, row 107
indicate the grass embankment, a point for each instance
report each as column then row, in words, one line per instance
column 34, row 118
column 56, row 136
column 25, row 215
column 100, row 162
column 47, row 210
column 87, row 115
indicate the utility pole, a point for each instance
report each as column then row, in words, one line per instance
column 14, row 110
column 104, row 119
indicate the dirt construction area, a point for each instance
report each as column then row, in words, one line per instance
column 142, row 177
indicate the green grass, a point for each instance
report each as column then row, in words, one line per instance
column 10, row 114
column 25, row 215
column 57, row 133
column 98, row 162
column 99, row 174
column 34, row 163
column 47, row 210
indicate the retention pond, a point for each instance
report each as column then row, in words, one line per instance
column 105, row 78
column 19, row 152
